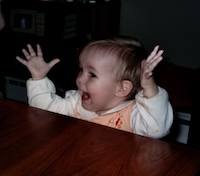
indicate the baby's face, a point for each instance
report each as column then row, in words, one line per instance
column 97, row 83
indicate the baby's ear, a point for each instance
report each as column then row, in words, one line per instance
column 124, row 88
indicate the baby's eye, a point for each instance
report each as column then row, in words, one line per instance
column 92, row 75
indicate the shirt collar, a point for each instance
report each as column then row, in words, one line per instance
column 87, row 115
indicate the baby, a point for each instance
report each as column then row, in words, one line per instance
column 115, row 84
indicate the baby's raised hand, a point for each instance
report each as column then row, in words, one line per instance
column 147, row 67
column 35, row 62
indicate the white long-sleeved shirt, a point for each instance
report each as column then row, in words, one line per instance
column 151, row 117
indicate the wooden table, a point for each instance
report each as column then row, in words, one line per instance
column 36, row 142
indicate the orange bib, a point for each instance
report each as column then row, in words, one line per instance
column 119, row 119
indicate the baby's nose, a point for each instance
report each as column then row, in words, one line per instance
column 80, row 79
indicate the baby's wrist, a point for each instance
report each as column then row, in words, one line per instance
column 150, row 91
column 38, row 77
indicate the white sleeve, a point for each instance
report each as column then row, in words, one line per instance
column 42, row 94
column 152, row 117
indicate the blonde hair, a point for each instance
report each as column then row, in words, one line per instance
column 128, row 53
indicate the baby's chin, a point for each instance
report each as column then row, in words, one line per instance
column 87, row 103
column 89, row 108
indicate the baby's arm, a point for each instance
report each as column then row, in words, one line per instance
column 35, row 62
column 42, row 94
column 148, row 84
column 152, row 117
column 41, row 91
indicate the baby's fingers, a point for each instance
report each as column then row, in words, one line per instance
column 149, row 66
column 21, row 60
column 39, row 50
column 156, row 53
column 159, row 54
column 153, row 53
column 53, row 62
column 31, row 51
column 26, row 54
column 155, row 62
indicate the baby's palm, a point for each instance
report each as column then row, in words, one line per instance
column 38, row 67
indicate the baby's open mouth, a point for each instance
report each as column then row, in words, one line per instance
column 85, row 96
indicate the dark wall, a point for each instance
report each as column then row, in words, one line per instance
column 173, row 24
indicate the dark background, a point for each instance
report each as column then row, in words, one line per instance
column 173, row 24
